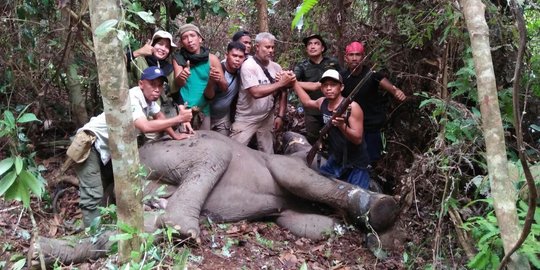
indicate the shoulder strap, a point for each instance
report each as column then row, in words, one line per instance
column 265, row 70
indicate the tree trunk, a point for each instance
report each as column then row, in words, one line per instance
column 113, row 81
column 339, row 19
column 78, row 108
column 504, row 193
column 262, row 15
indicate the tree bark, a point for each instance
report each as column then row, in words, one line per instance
column 113, row 81
column 502, row 188
column 76, row 98
column 262, row 15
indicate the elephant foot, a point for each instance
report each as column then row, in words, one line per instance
column 374, row 210
column 186, row 229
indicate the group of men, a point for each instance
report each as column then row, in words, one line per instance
column 243, row 97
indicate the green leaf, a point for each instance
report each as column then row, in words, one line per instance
column 306, row 6
column 19, row 264
column 32, row 182
column 146, row 16
column 123, row 37
column 18, row 164
column 106, row 27
column 5, row 165
column 27, row 117
column 132, row 24
column 479, row 261
column 7, row 182
column 10, row 119
column 19, row 191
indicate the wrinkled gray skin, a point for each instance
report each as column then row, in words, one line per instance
column 213, row 175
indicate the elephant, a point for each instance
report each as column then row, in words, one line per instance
column 212, row 175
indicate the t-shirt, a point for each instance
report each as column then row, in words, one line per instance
column 221, row 104
column 372, row 101
column 307, row 71
column 193, row 91
column 98, row 125
column 346, row 153
column 248, row 108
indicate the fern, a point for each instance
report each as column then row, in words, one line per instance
column 306, row 6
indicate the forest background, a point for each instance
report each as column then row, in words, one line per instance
column 435, row 157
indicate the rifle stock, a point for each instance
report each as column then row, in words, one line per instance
column 339, row 111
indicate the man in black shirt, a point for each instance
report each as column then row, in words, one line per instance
column 372, row 101
column 348, row 158
column 308, row 72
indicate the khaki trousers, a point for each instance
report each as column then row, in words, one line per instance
column 243, row 131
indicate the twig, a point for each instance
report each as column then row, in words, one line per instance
column 18, row 221
column 462, row 235
column 517, row 124
column 79, row 19
column 9, row 209
column 35, row 240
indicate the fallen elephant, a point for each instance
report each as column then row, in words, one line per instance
column 212, row 175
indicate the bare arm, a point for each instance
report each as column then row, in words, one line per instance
column 392, row 89
column 305, row 99
column 354, row 131
column 169, row 130
column 310, row 86
column 263, row 90
column 161, row 124
column 278, row 122
column 216, row 78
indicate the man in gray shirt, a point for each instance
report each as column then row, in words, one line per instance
column 222, row 105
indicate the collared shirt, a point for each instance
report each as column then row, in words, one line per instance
column 98, row 125
column 248, row 108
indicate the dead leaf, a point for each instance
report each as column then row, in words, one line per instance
column 317, row 248
column 54, row 224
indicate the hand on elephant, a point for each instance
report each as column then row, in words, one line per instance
column 278, row 123
column 188, row 129
column 182, row 136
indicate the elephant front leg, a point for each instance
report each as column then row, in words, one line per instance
column 184, row 205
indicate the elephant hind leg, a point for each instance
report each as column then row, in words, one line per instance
column 308, row 225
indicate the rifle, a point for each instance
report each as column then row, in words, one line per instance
column 341, row 109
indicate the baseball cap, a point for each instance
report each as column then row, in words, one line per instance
column 189, row 27
column 354, row 46
column 152, row 73
column 319, row 37
column 332, row 74
column 163, row 34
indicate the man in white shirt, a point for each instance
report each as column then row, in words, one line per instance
column 90, row 149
